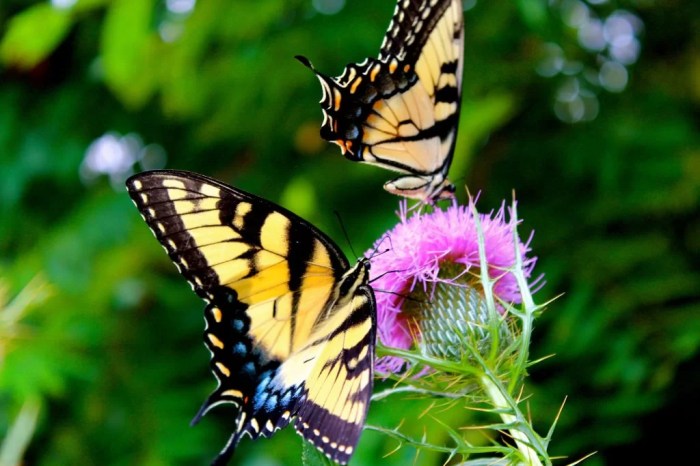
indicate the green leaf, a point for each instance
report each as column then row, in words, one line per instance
column 127, row 50
column 22, row 46
column 310, row 456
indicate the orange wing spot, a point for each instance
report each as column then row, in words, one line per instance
column 232, row 393
column 224, row 370
column 341, row 143
column 348, row 147
column 353, row 88
column 374, row 73
column 393, row 65
column 336, row 99
column 216, row 312
column 406, row 68
column 215, row 341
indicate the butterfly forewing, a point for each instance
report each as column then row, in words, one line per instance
column 279, row 294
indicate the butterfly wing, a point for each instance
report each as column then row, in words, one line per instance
column 400, row 111
column 339, row 385
column 271, row 280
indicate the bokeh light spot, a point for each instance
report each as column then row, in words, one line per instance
column 328, row 7
column 116, row 156
column 575, row 104
column 180, row 7
column 553, row 61
column 575, row 13
column 63, row 4
column 613, row 76
column 591, row 35
column 307, row 139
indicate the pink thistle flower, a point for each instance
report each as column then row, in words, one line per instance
column 440, row 249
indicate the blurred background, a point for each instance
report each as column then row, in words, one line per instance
column 587, row 110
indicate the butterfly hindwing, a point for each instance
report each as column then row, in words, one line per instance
column 282, row 304
column 400, row 111
column 339, row 388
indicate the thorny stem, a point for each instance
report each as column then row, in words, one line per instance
column 501, row 404
column 528, row 304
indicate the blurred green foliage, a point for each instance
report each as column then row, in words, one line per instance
column 101, row 360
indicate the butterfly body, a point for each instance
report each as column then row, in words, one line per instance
column 289, row 323
column 400, row 110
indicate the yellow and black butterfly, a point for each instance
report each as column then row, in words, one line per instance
column 400, row 111
column 289, row 324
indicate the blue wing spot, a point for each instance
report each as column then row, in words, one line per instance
column 239, row 349
column 265, row 379
column 259, row 399
column 286, row 399
column 271, row 403
column 237, row 325
column 352, row 132
column 248, row 369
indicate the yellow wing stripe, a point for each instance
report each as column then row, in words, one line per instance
column 218, row 253
column 271, row 237
column 198, row 219
column 183, row 207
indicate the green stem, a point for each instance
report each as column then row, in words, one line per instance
column 20, row 433
column 528, row 304
column 501, row 404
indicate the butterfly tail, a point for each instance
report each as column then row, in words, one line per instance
column 206, row 406
column 327, row 83
column 216, row 398
column 225, row 455
column 342, row 113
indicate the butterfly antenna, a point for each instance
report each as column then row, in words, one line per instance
column 375, row 253
column 401, row 295
column 345, row 232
